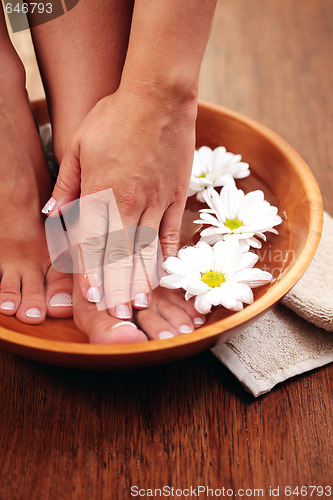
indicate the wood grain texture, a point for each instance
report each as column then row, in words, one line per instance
column 71, row 434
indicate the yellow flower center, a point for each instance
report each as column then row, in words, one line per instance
column 233, row 224
column 213, row 278
column 201, row 176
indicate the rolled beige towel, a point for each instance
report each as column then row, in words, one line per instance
column 281, row 344
column 312, row 297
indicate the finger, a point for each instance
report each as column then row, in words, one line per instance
column 92, row 241
column 118, row 270
column 118, row 262
column 146, row 260
column 170, row 229
column 67, row 187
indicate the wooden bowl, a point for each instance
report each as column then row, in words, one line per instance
column 287, row 182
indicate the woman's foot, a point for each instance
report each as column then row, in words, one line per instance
column 99, row 326
column 25, row 186
column 168, row 315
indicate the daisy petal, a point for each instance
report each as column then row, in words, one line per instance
column 216, row 167
column 172, row 281
column 253, row 277
column 202, row 305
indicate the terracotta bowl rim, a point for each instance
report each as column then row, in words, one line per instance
column 213, row 330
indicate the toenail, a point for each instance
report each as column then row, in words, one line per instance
column 141, row 300
column 165, row 335
column 8, row 305
column 123, row 323
column 123, row 311
column 33, row 312
column 198, row 321
column 93, row 294
column 185, row 329
column 61, row 300
column 49, row 206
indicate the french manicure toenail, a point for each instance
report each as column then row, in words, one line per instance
column 185, row 329
column 198, row 321
column 8, row 305
column 165, row 335
column 93, row 294
column 124, row 323
column 61, row 300
column 141, row 300
column 33, row 312
column 49, row 206
column 123, row 311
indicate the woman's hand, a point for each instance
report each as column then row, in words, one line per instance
column 140, row 147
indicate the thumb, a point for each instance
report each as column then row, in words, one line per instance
column 67, row 187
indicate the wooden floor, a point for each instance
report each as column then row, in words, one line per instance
column 75, row 435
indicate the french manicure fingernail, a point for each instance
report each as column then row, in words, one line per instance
column 33, row 312
column 185, row 329
column 49, row 206
column 123, row 323
column 8, row 305
column 141, row 300
column 93, row 294
column 198, row 321
column 61, row 300
column 123, row 311
column 95, row 279
column 165, row 335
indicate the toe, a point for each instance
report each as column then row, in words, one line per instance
column 177, row 297
column 10, row 292
column 99, row 326
column 32, row 309
column 59, row 301
column 176, row 316
column 121, row 332
column 155, row 325
column 169, row 315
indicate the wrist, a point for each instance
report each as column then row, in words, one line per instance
column 171, row 93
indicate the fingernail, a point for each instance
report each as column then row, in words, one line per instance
column 49, row 206
column 8, row 305
column 33, row 312
column 95, row 279
column 198, row 321
column 141, row 300
column 123, row 323
column 93, row 294
column 123, row 311
column 185, row 329
column 61, row 300
column 165, row 335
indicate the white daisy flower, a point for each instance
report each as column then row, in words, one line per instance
column 233, row 214
column 218, row 275
column 216, row 167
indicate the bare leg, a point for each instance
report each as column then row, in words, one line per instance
column 81, row 57
column 24, row 187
